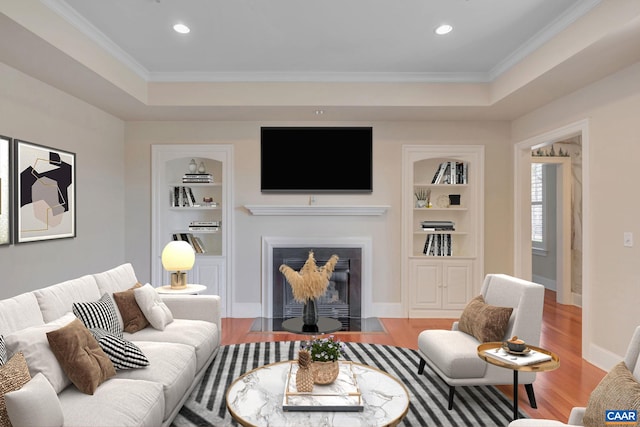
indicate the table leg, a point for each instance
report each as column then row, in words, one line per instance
column 515, row 394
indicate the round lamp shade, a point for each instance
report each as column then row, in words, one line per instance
column 178, row 256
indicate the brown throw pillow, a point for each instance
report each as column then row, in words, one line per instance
column 80, row 356
column 483, row 321
column 617, row 390
column 13, row 375
column 132, row 316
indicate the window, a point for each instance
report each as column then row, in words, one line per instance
column 538, row 241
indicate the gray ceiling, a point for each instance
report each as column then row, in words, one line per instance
column 329, row 40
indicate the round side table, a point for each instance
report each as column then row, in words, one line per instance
column 485, row 350
column 189, row 290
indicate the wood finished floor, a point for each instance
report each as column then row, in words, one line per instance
column 556, row 392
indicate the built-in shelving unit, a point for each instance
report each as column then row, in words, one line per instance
column 440, row 282
column 199, row 212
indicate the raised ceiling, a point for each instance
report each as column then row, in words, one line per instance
column 285, row 59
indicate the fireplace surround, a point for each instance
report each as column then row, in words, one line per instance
column 351, row 279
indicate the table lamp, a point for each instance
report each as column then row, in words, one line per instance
column 178, row 256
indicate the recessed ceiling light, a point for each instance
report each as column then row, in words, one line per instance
column 319, row 112
column 181, row 28
column 443, row 29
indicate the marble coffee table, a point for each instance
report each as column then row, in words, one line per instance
column 256, row 399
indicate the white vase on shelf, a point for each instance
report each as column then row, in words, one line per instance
column 192, row 166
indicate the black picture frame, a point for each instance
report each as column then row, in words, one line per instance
column 45, row 193
column 6, row 191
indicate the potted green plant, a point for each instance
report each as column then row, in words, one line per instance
column 325, row 353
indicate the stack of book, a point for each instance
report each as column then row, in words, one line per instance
column 451, row 173
column 204, row 226
column 197, row 178
column 438, row 245
column 438, row 225
column 194, row 241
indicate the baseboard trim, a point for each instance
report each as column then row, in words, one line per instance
column 601, row 357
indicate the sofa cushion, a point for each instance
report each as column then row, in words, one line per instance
column 19, row 312
column 99, row 314
column 483, row 321
column 202, row 336
column 80, row 356
column 32, row 342
column 133, row 318
column 116, row 279
column 56, row 300
column 122, row 353
column 156, row 311
column 13, row 375
column 116, row 403
column 617, row 390
column 172, row 365
column 37, row 393
column 454, row 352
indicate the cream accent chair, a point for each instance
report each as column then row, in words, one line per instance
column 631, row 359
column 453, row 354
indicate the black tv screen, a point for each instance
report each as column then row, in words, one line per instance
column 316, row 160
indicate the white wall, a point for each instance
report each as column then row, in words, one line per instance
column 385, row 230
column 611, row 204
column 33, row 111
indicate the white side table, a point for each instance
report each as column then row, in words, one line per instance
column 189, row 290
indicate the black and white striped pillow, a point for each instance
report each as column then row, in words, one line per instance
column 3, row 351
column 122, row 353
column 99, row 314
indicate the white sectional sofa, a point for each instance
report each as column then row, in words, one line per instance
column 149, row 396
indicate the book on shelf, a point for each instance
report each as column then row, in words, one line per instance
column 194, row 241
column 183, row 197
column 206, row 223
column 195, row 178
column 451, row 172
column 203, row 228
column 438, row 245
column 438, row 225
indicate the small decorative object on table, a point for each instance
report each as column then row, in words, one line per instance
column 516, row 345
column 325, row 353
column 304, row 375
column 423, row 198
column 309, row 284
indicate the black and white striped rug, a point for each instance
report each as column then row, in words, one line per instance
column 473, row 406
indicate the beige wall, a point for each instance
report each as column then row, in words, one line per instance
column 33, row 111
column 611, row 203
column 385, row 230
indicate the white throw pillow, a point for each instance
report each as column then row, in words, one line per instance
column 33, row 343
column 156, row 311
column 36, row 404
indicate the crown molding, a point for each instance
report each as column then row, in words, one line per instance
column 543, row 36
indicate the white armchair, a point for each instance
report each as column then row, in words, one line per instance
column 453, row 354
column 631, row 360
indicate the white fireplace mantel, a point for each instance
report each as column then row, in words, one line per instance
column 318, row 210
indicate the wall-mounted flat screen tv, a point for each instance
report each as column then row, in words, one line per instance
column 316, row 160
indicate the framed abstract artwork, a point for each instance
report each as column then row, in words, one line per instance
column 5, row 191
column 44, row 192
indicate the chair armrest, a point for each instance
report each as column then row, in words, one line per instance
column 194, row 307
column 576, row 416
